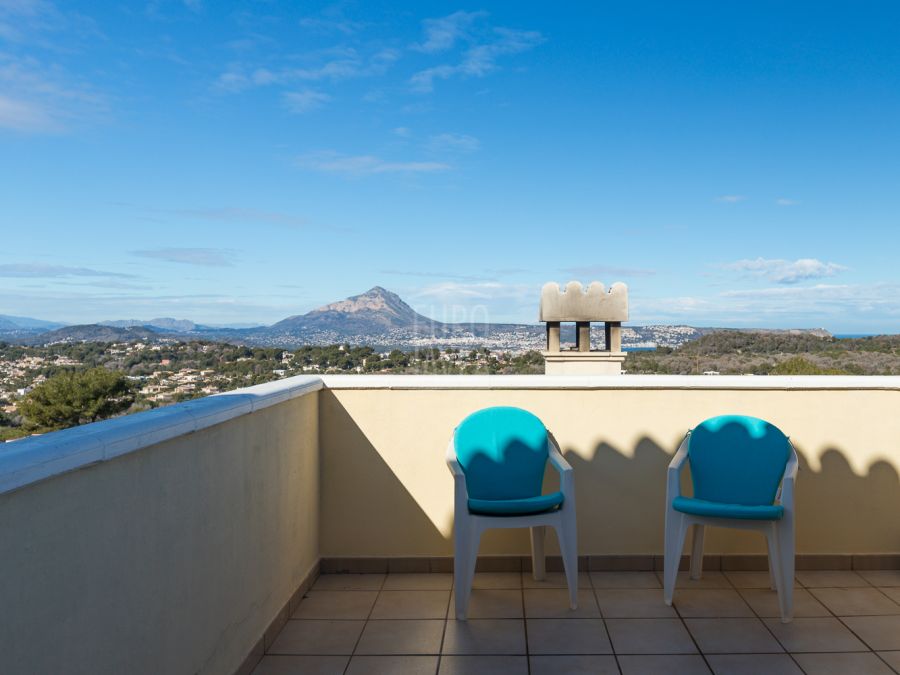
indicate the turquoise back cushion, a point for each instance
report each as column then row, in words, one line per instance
column 503, row 452
column 737, row 460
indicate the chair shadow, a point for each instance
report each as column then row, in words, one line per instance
column 857, row 512
column 620, row 494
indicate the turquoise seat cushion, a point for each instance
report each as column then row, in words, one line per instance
column 516, row 507
column 503, row 452
column 737, row 459
column 701, row 507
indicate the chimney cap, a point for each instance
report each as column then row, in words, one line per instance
column 575, row 303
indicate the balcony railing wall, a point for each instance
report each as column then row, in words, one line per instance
column 386, row 490
column 171, row 541
column 170, row 558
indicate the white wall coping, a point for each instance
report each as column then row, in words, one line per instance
column 740, row 382
column 37, row 458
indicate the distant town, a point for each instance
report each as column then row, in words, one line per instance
column 125, row 377
column 54, row 376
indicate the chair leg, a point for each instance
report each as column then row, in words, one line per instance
column 674, row 544
column 784, row 535
column 773, row 564
column 467, row 537
column 567, row 533
column 538, row 559
column 697, row 552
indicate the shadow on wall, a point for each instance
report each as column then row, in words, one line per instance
column 367, row 498
column 834, row 504
column 401, row 504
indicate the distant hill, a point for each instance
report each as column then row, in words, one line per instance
column 377, row 318
column 9, row 322
column 375, row 311
column 731, row 352
column 95, row 333
column 177, row 325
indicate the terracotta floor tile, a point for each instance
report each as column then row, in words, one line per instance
column 401, row 637
column 650, row 636
column 485, row 636
column 842, row 664
column 663, row 665
column 279, row 664
column 411, row 605
column 732, row 636
column 553, row 603
column 336, row 605
column 317, row 637
column 483, row 665
column 567, row 636
column 393, row 665
column 825, row 634
column 582, row 664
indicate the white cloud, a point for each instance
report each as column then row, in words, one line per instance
column 783, row 201
column 43, row 270
column 38, row 98
column 731, row 199
column 361, row 165
column 402, row 132
column 26, row 116
column 453, row 143
column 300, row 102
column 441, row 34
column 786, row 271
column 325, row 65
column 479, row 59
column 203, row 257
column 478, row 301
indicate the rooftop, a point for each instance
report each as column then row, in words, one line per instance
column 726, row 622
column 305, row 525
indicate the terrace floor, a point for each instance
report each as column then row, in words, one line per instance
column 845, row 622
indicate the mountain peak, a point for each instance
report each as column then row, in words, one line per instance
column 378, row 309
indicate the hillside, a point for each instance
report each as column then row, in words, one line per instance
column 377, row 318
column 375, row 311
column 763, row 353
column 95, row 333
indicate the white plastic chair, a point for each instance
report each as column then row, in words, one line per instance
column 534, row 510
column 744, row 475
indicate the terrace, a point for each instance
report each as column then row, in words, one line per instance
column 306, row 526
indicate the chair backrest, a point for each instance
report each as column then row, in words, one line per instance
column 737, row 460
column 503, row 452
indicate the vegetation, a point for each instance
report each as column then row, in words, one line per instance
column 61, row 385
column 72, row 398
column 745, row 353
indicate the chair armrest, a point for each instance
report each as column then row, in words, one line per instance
column 673, row 475
column 460, row 490
column 785, row 495
column 566, row 474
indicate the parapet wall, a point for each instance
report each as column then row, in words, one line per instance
column 386, row 490
column 159, row 556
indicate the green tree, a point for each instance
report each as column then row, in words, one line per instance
column 69, row 399
column 797, row 365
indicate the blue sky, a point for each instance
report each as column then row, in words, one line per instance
column 240, row 162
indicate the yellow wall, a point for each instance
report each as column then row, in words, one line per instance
column 172, row 559
column 386, row 490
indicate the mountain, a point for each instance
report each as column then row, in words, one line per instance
column 377, row 318
column 166, row 323
column 8, row 322
column 375, row 311
column 96, row 333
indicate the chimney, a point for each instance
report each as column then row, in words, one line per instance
column 581, row 307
